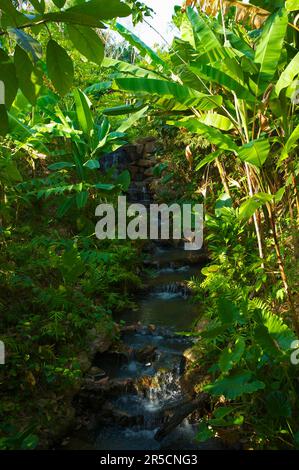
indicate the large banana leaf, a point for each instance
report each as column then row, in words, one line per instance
column 205, row 40
column 182, row 94
column 255, row 152
column 288, row 74
column 269, row 47
column 128, row 123
column 144, row 50
column 290, row 144
column 214, row 74
column 214, row 136
column 84, row 114
column 130, row 69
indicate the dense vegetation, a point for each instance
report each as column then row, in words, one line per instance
column 225, row 95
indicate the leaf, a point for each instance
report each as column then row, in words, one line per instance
column 39, row 5
column 204, row 433
column 104, row 186
column 214, row 136
column 144, row 50
column 27, row 42
column 65, row 206
column 30, row 442
column 29, row 82
column 87, row 42
column 99, row 9
column 231, row 356
column 288, row 75
column 132, row 119
column 289, row 145
column 278, row 405
column 216, row 120
column 208, row 159
column 269, row 47
column 81, row 199
column 249, row 207
column 60, row 166
column 277, row 329
column 255, row 152
column 228, row 312
column 84, row 114
column 237, row 384
column 215, row 74
column 124, row 179
column 205, row 40
column 292, row 5
column 60, row 67
column 59, row 3
column 4, row 124
column 9, row 78
column 92, row 164
column 182, row 94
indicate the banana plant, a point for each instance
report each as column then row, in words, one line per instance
column 85, row 138
column 236, row 88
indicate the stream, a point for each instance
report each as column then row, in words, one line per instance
column 141, row 388
column 148, row 374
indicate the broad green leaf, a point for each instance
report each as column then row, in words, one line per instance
column 228, row 311
column 132, row 119
column 292, row 5
column 204, row 433
column 123, row 109
column 98, row 88
column 290, row 145
column 60, row 67
column 278, row 405
column 27, row 42
column 65, row 206
column 288, row 75
column 269, row 47
column 4, row 123
column 182, row 94
column 205, row 40
column 87, row 42
column 230, row 356
column 236, row 385
column 8, row 77
column 100, row 9
column 277, row 329
column 145, row 51
column 255, row 152
column 81, row 199
column 60, row 166
column 215, row 74
column 129, row 69
column 92, row 164
column 214, row 136
column 29, row 82
column 104, row 186
column 40, row 5
column 249, row 207
column 124, row 179
column 59, row 3
column 208, row 159
column 216, row 120
column 84, row 114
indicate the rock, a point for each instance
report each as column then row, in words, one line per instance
column 84, row 361
column 96, row 373
column 146, row 354
column 146, row 162
column 149, row 172
column 191, row 355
